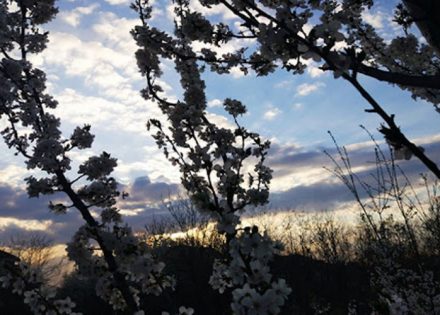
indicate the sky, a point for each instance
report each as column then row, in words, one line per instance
column 92, row 72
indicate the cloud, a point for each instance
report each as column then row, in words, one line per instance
column 314, row 71
column 114, row 31
column 301, row 182
column 12, row 228
column 219, row 11
column 99, row 64
column 237, row 73
column 103, row 58
column 118, row 2
column 308, row 88
column 375, row 19
column 16, row 204
column 316, row 197
column 102, row 113
column 13, row 174
column 272, row 113
column 283, row 84
column 105, row 75
column 146, row 160
column 215, row 103
column 297, row 106
column 28, row 225
column 148, row 192
column 294, row 165
column 21, row 215
column 73, row 17
column 220, row 121
column 79, row 57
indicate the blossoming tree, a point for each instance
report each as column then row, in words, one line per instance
column 222, row 169
column 333, row 34
column 211, row 159
column 276, row 33
column 124, row 265
column 214, row 167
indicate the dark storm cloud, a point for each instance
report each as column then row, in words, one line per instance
column 148, row 196
column 296, row 158
column 14, row 231
column 316, row 197
column 15, row 203
column 144, row 189
column 326, row 195
column 56, row 232
column 280, row 155
column 145, row 196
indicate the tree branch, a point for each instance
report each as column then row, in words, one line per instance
column 392, row 125
column 428, row 81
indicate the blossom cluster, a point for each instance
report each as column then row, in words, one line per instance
column 247, row 273
column 41, row 298
column 133, row 259
column 406, row 291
